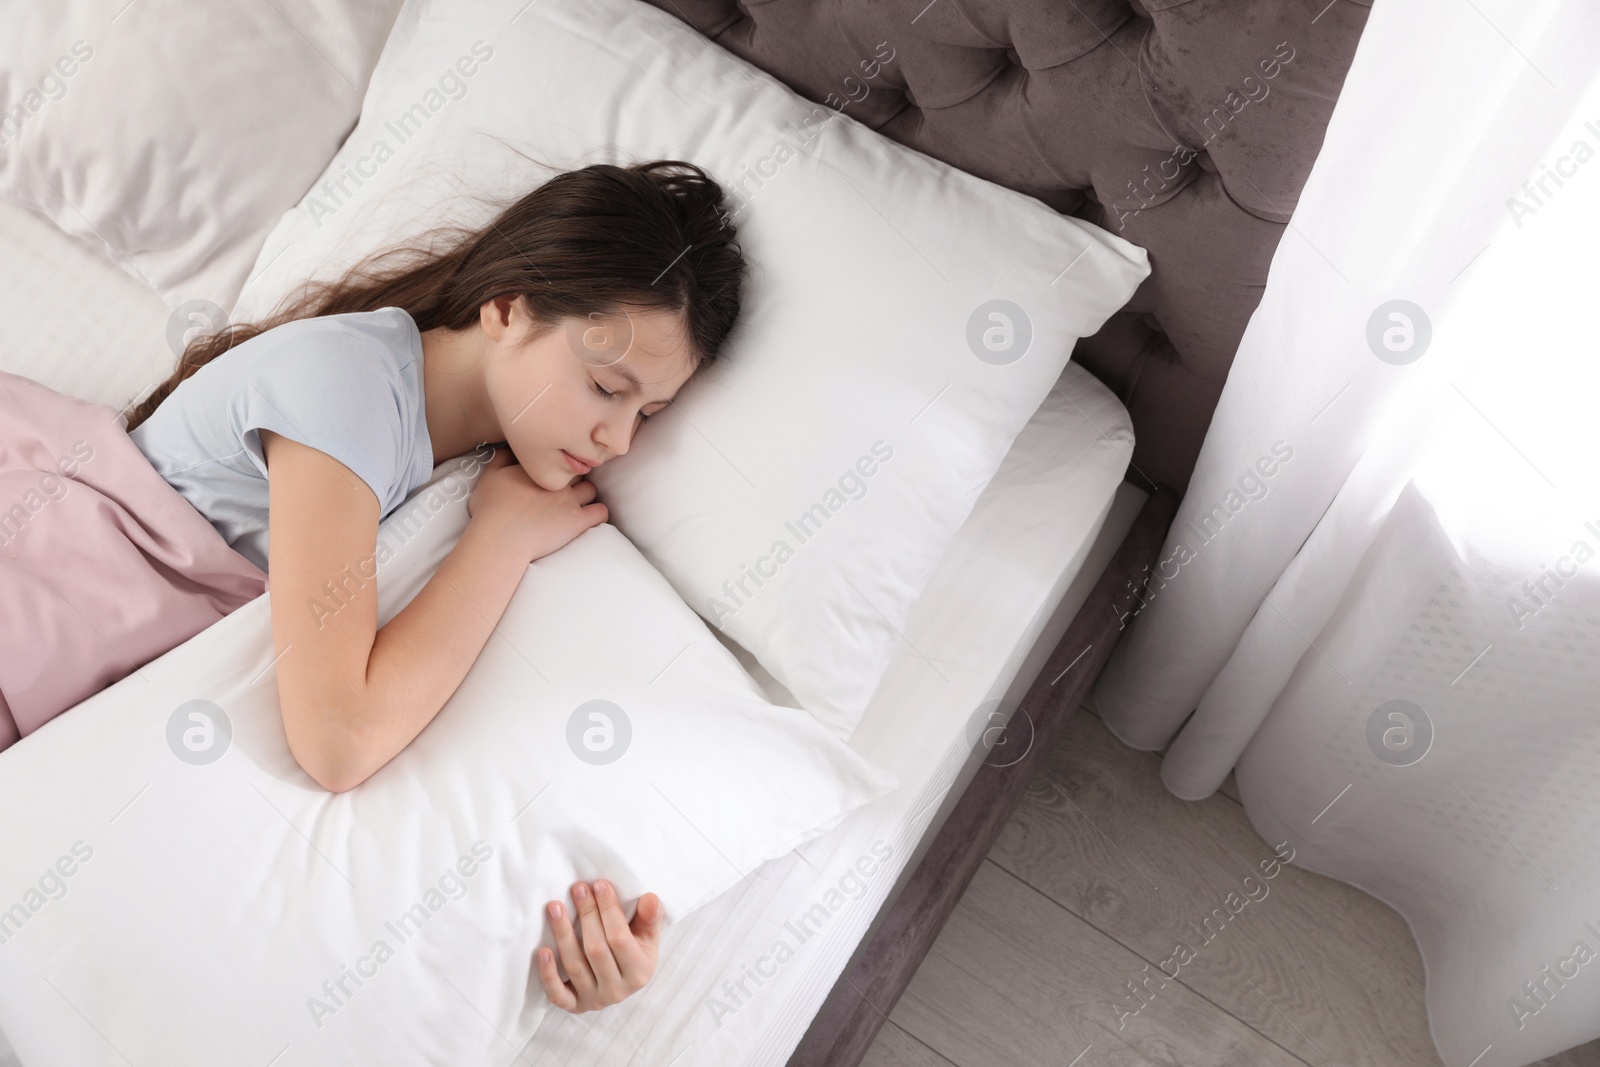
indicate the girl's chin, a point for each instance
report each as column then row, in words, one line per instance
column 561, row 478
column 562, row 481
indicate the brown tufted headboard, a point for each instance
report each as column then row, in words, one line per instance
column 1186, row 126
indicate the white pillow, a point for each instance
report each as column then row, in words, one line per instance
column 177, row 133
column 866, row 390
column 180, row 912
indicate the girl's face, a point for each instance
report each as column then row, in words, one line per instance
column 574, row 396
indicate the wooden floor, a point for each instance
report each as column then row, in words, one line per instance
column 1096, row 872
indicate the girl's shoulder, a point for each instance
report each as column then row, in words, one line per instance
column 389, row 329
column 337, row 371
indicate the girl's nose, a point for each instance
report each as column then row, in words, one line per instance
column 614, row 436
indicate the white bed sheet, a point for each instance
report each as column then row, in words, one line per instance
column 1015, row 571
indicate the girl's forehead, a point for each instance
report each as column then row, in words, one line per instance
column 643, row 347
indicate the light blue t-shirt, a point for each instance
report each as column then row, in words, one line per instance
column 348, row 385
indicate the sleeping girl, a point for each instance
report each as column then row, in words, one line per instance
column 551, row 333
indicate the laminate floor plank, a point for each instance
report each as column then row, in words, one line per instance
column 1014, row 979
column 1096, row 876
column 893, row 1047
column 1582, row 1056
column 1317, row 966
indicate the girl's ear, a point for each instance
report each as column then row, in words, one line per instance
column 497, row 316
column 509, row 320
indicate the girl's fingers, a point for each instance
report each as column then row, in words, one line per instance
column 595, row 949
column 633, row 963
column 578, row 972
column 647, row 923
column 560, row 994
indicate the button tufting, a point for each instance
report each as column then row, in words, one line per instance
column 1211, row 258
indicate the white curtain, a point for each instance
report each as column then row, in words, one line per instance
column 1381, row 595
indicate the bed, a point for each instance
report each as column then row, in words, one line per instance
column 1020, row 569
column 1027, row 603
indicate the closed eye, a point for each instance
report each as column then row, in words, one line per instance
column 608, row 394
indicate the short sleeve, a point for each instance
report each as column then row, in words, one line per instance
column 336, row 392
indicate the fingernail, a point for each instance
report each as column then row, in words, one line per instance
column 580, row 891
column 555, row 909
column 601, row 889
column 544, row 955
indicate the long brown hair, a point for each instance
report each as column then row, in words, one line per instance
column 649, row 236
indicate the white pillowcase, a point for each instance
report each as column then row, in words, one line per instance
column 904, row 322
column 198, row 909
column 177, row 133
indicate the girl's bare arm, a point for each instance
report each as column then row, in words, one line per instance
column 353, row 695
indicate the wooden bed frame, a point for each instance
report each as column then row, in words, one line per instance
column 907, row 925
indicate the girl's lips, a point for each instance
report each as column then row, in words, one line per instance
column 575, row 463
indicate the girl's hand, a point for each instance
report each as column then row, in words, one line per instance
column 615, row 959
column 543, row 519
